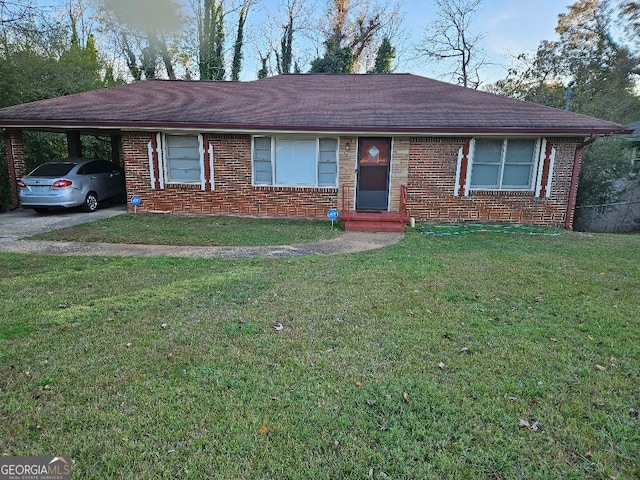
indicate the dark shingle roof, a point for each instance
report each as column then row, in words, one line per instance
column 394, row 103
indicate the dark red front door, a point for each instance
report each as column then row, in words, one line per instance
column 374, row 159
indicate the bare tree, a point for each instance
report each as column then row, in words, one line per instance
column 449, row 39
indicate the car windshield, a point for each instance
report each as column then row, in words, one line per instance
column 57, row 169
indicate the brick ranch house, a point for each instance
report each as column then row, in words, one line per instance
column 376, row 147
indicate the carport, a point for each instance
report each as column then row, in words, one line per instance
column 16, row 161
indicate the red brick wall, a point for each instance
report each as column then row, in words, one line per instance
column 431, row 184
column 431, row 180
column 233, row 194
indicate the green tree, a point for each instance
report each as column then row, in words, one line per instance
column 384, row 57
column 212, row 36
column 237, row 48
column 351, row 31
column 336, row 59
column 604, row 73
column 42, row 59
column 264, row 69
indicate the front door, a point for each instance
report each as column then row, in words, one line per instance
column 374, row 159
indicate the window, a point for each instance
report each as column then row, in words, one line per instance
column 503, row 164
column 293, row 161
column 183, row 161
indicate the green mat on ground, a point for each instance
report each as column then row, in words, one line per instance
column 467, row 228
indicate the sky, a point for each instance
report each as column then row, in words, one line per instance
column 510, row 27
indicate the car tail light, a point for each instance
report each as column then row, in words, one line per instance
column 62, row 183
column 21, row 184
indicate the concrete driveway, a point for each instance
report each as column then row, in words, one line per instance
column 25, row 222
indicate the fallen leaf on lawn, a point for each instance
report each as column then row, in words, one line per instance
column 538, row 299
column 169, row 355
column 372, row 403
column 553, row 339
column 464, row 349
column 263, row 429
column 129, row 344
column 589, row 455
column 601, row 368
column 164, row 325
column 441, row 366
column 358, row 384
column 536, row 426
column 277, row 327
column 405, row 397
column 524, row 423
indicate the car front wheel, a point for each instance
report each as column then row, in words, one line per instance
column 90, row 203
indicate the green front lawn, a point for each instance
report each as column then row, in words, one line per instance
column 155, row 229
column 477, row 356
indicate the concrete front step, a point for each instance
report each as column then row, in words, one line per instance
column 368, row 221
column 370, row 226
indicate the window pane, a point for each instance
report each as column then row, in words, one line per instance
column 517, row 176
column 262, row 149
column 327, row 168
column 484, row 175
column 262, row 161
column 295, row 162
column 263, row 142
column 328, row 144
column 327, row 174
column 520, row 151
column 327, row 156
column 327, row 180
column 487, row 151
column 263, row 178
column 53, row 169
column 183, row 159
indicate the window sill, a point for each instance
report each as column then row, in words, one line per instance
column 510, row 193
column 279, row 188
column 183, row 186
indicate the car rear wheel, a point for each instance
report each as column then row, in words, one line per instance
column 90, row 203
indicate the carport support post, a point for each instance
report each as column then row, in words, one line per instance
column 116, row 142
column 74, row 145
column 14, row 145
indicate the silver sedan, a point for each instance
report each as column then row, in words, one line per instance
column 71, row 183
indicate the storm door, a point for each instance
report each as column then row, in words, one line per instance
column 374, row 159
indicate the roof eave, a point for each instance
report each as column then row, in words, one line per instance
column 256, row 128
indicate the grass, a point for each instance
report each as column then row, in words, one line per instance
column 420, row 360
column 150, row 229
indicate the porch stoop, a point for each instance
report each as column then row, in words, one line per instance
column 373, row 221
column 357, row 221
